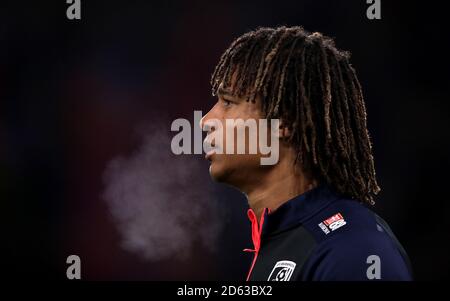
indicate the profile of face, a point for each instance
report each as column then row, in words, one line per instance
column 232, row 167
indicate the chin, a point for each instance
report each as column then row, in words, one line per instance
column 215, row 173
column 218, row 173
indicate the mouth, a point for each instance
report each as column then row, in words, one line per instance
column 209, row 155
column 211, row 150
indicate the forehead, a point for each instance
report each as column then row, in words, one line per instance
column 225, row 91
column 230, row 85
column 230, row 88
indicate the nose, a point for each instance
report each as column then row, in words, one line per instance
column 204, row 124
column 202, row 121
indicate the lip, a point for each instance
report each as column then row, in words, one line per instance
column 209, row 154
column 211, row 151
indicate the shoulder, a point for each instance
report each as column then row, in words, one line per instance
column 352, row 244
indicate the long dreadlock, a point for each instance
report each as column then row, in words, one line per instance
column 311, row 86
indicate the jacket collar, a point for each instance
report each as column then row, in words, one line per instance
column 292, row 212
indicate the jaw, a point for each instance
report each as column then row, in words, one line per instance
column 243, row 173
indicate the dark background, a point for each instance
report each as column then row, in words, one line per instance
column 73, row 91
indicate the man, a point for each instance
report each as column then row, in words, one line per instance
column 308, row 211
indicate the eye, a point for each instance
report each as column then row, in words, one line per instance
column 226, row 102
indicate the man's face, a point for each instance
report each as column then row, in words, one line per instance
column 234, row 168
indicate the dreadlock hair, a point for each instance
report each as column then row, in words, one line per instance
column 310, row 85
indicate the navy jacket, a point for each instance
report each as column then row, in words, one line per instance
column 320, row 236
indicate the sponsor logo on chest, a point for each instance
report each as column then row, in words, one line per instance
column 332, row 223
column 282, row 271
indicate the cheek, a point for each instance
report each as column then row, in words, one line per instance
column 244, row 138
column 245, row 111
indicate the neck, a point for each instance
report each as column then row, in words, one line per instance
column 280, row 185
